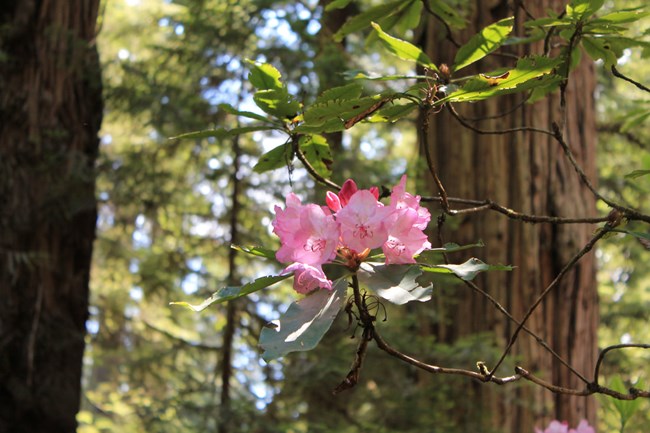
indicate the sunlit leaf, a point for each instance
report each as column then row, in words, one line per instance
column 277, row 157
column 619, row 17
column 234, row 292
column 396, row 283
column 264, row 76
column 277, row 102
column 255, row 251
column 581, row 9
column 364, row 19
column 527, row 75
column 483, row 43
column 317, row 152
column 304, row 323
column 404, row 50
column 466, row 271
column 222, row 132
column 232, row 110
column 448, row 14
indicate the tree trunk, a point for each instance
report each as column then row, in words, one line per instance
column 529, row 173
column 50, row 113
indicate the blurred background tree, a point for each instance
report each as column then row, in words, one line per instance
column 166, row 222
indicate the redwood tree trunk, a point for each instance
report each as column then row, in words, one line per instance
column 50, row 113
column 529, row 173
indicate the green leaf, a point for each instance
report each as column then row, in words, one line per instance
column 448, row 14
column 337, row 4
column 449, row 247
column 636, row 174
column 625, row 408
column 404, row 50
column 305, row 322
column 396, row 283
column 234, row 292
column 318, row 114
column 264, row 76
column 232, row 110
column 549, row 22
column 317, row 152
column 620, row 17
column 330, row 125
column 255, row 251
column 581, row 9
column 600, row 48
column 635, row 119
column 364, row 19
column 277, row 157
column 393, row 112
column 346, row 92
column 525, row 76
column 466, row 271
column 483, row 43
column 639, row 235
column 277, row 102
column 222, row 133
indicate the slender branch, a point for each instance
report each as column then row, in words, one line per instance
column 383, row 345
column 466, row 124
column 450, row 36
column 629, row 213
column 602, row 232
column 483, row 205
column 629, row 80
column 601, row 356
column 537, row 338
column 434, row 174
column 310, row 169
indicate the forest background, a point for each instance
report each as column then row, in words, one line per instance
column 169, row 210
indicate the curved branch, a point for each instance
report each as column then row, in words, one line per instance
column 466, row 124
column 602, row 232
column 617, row 74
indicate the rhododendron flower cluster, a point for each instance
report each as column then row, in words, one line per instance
column 353, row 223
column 563, row 427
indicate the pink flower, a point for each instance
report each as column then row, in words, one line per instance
column 400, row 199
column 563, row 427
column 555, row 427
column 362, row 221
column 583, row 427
column 308, row 233
column 338, row 201
column 405, row 240
column 307, row 278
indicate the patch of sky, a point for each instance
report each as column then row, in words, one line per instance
column 134, row 266
column 214, row 164
column 123, row 54
column 191, row 283
column 626, row 338
column 163, row 22
column 106, row 139
column 136, row 293
column 164, row 100
column 141, row 238
column 179, row 29
column 195, row 263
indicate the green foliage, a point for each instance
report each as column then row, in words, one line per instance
column 396, row 283
column 466, row 271
column 230, row 293
column 483, row 43
column 305, row 322
column 404, row 50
